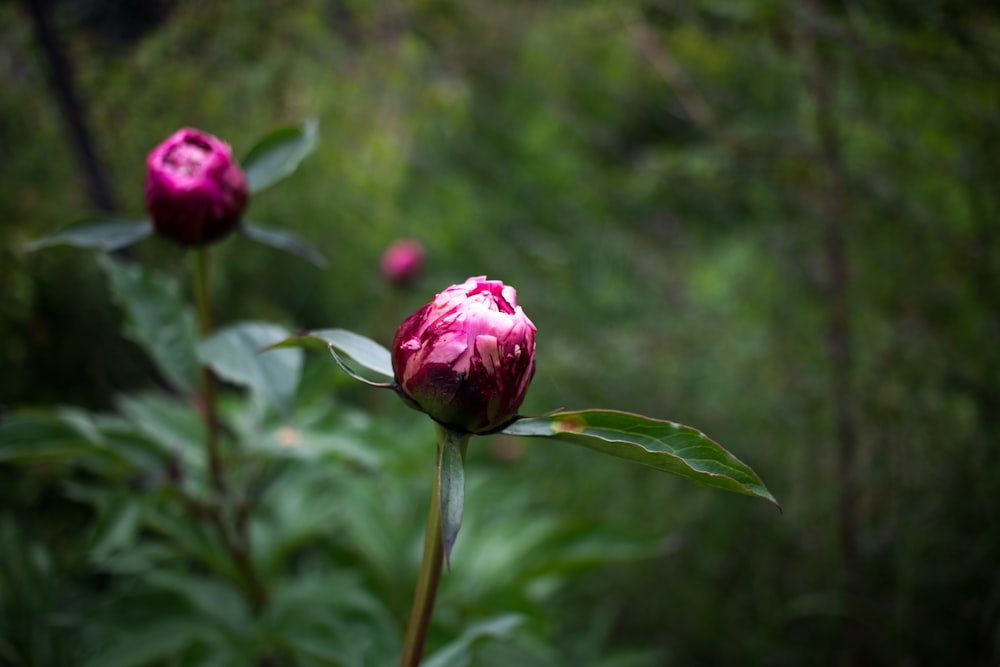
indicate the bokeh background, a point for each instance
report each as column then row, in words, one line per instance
column 776, row 221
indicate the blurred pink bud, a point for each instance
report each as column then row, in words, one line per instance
column 466, row 358
column 402, row 262
column 195, row 191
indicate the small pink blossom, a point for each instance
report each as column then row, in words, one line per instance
column 402, row 262
column 467, row 358
column 195, row 191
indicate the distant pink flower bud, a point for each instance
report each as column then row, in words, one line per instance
column 402, row 262
column 195, row 191
column 466, row 358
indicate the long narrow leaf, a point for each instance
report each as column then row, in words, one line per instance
column 154, row 643
column 457, row 652
column 283, row 240
column 674, row 448
column 158, row 319
column 278, row 154
column 54, row 436
column 96, row 233
column 451, row 484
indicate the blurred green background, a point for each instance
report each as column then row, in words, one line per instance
column 775, row 221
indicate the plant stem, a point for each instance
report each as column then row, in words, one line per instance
column 430, row 565
column 203, row 304
column 235, row 538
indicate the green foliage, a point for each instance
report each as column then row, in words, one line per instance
column 451, row 486
column 304, row 558
column 283, row 240
column 362, row 350
column 34, row 588
column 277, row 155
column 458, row 652
column 99, row 234
column 234, row 353
column 674, row 448
column 648, row 175
column 157, row 318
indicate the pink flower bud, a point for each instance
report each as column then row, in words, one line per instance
column 402, row 262
column 195, row 191
column 466, row 358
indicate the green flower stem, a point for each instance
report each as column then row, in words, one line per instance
column 430, row 565
column 235, row 534
column 203, row 304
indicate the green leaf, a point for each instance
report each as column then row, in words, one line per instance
column 157, row 318
column 211, row 598
column 171, row 426
column 318, row 620
column 674, row 448
column 364, row 351
column 278, row 154
column 99, row 233
column 361, row 349
column 234, row 353
column 283, row 240
column 189, row 538
column 307, row 443
column 451, row 488
column 457, row 653
column 153, row 643
column 108, row 446
column 53, row 436
column 117, row 527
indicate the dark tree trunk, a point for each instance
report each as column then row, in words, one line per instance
column 64, row 90
column 820, row 69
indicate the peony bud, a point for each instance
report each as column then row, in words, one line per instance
column 467, row 357
column 402, row 262
column 195, row 191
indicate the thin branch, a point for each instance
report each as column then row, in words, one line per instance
column 820, row 72
column 695, row 105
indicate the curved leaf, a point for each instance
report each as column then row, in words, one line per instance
column 278, row 154
column 361, row 349
column 283, row 240
column 457, row 652
column 674, row 448
column 173, row 428
column 154, row 643
column 451, row 488
column 158, row 319
column 54, row 436
column 234, row 354
column 117, row 526
column 96, row 233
